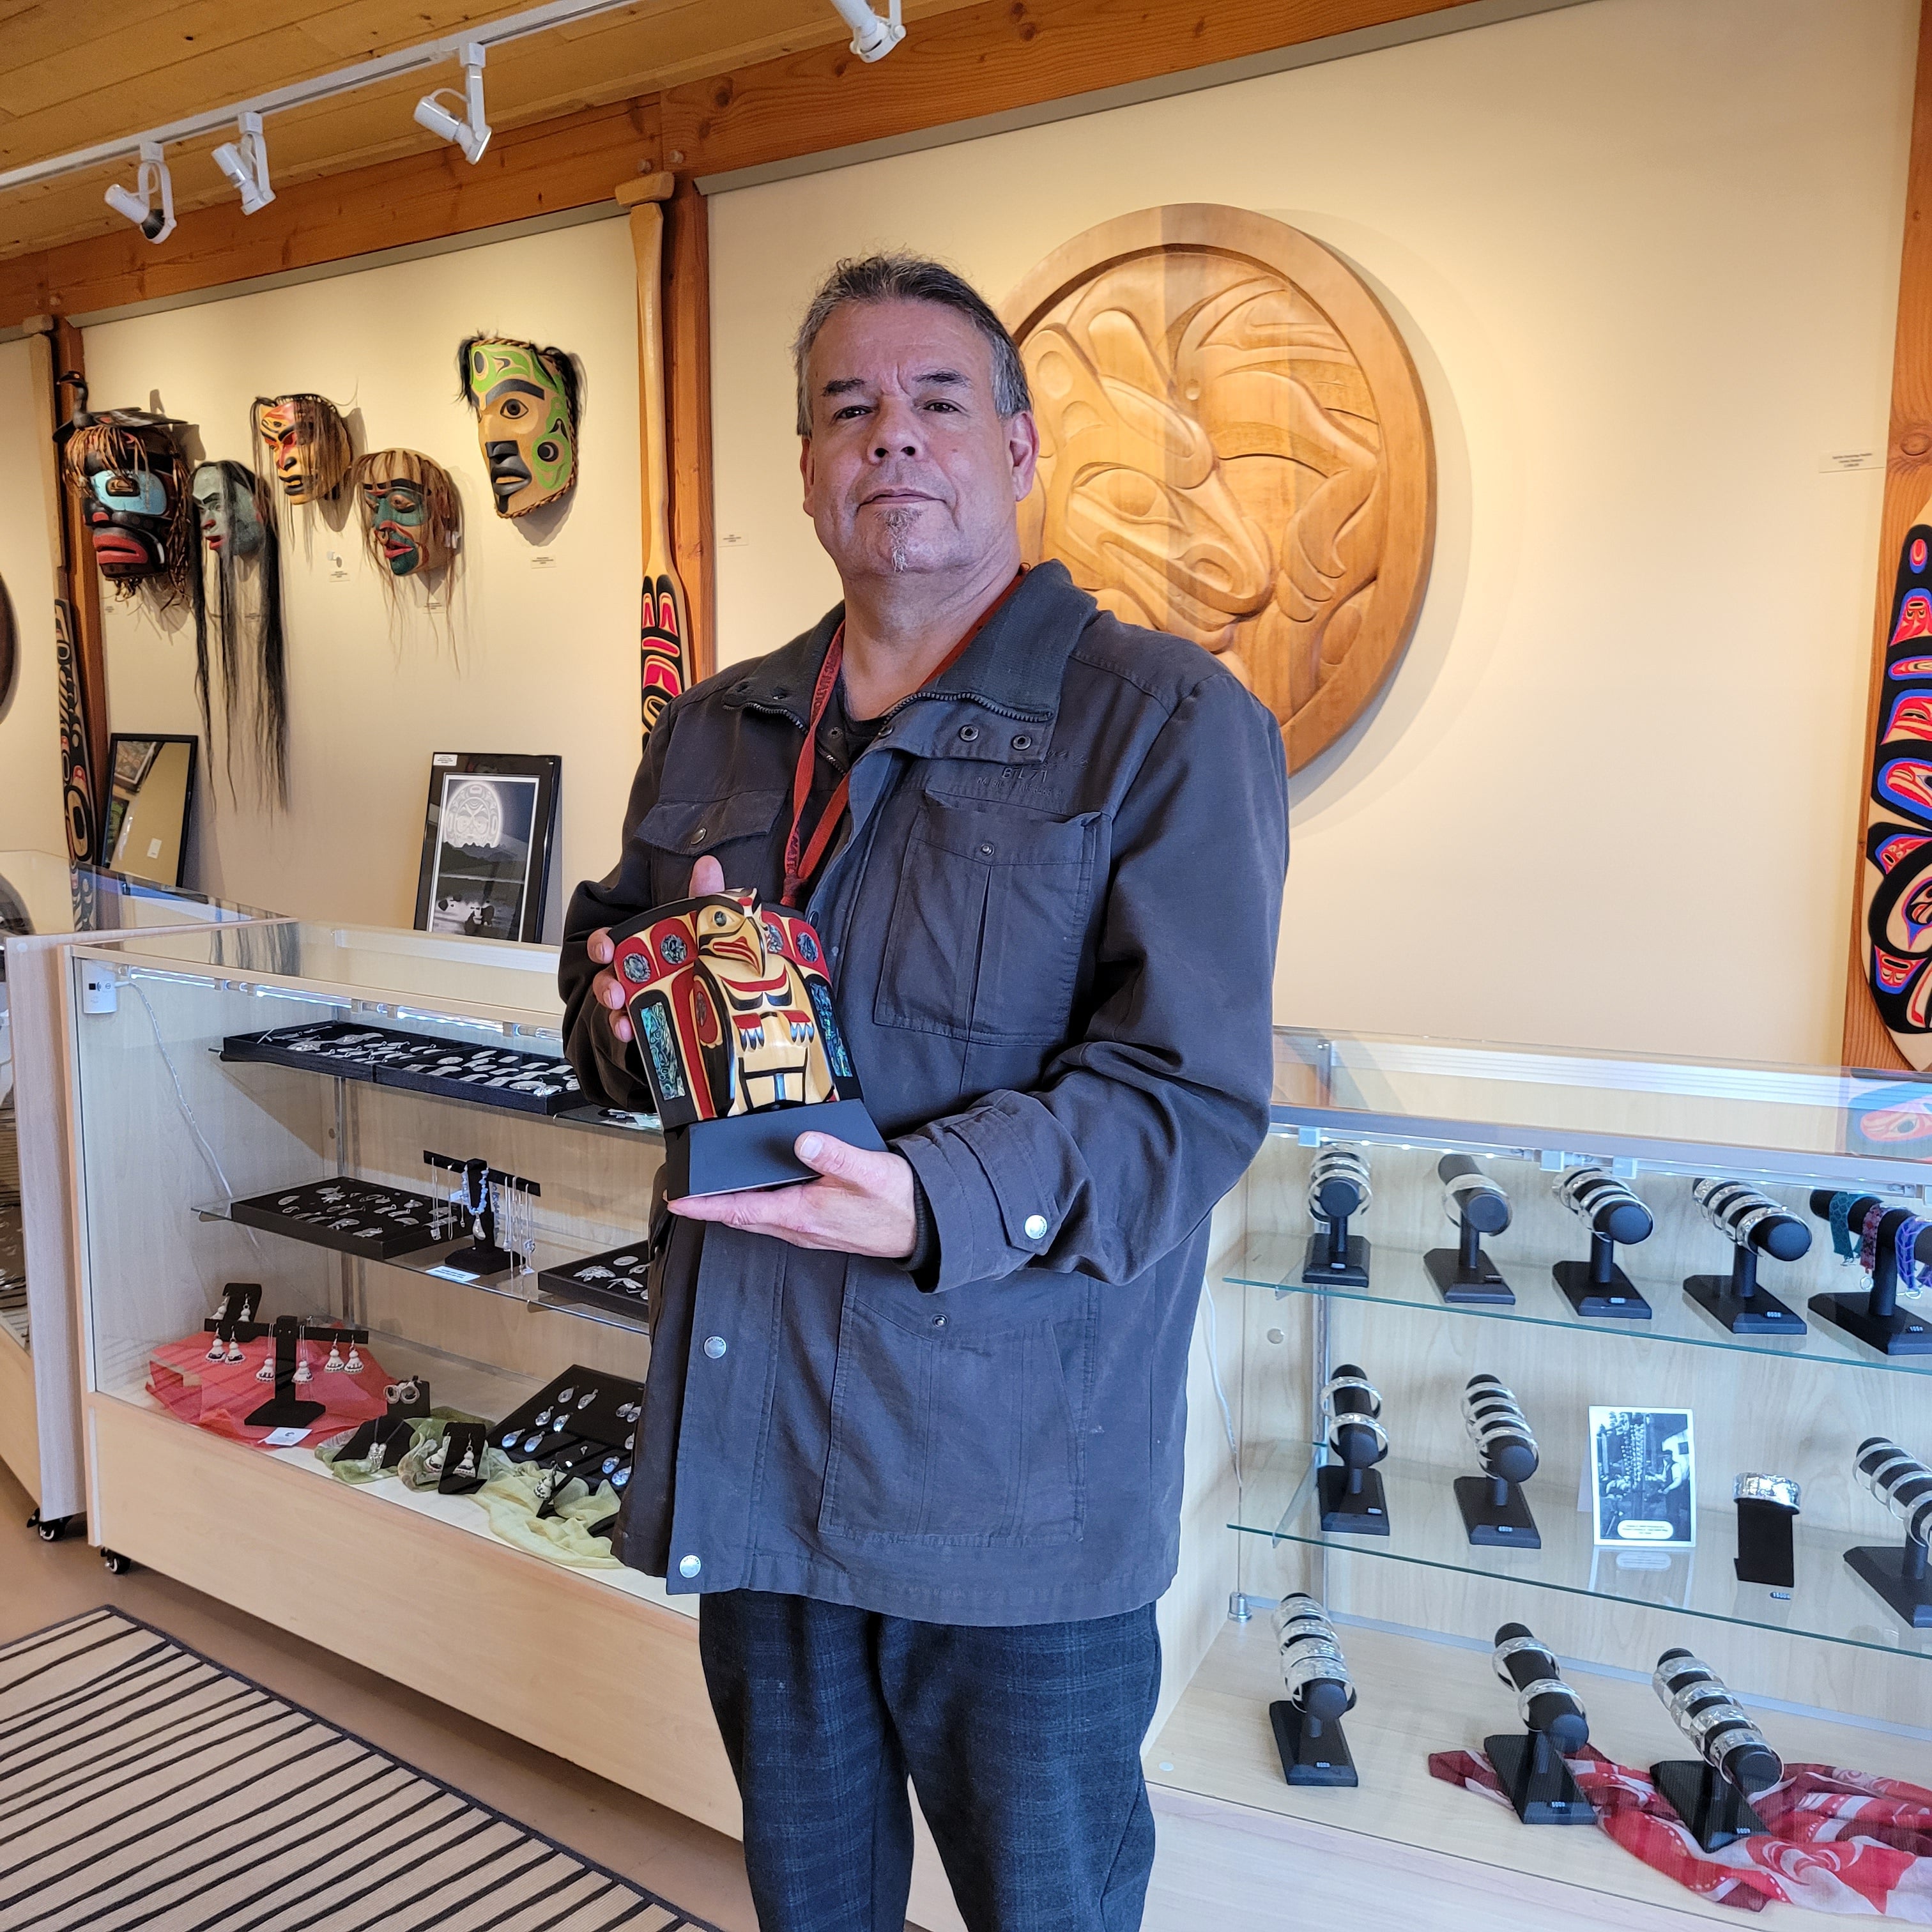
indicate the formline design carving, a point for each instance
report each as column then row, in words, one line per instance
column 1235, row 447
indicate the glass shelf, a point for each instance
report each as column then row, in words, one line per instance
column 433, row 1260
column 1426, row 1528
column 1398, row 1279
column 1834, row 1125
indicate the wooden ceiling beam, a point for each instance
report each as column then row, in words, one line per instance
column 963, row 62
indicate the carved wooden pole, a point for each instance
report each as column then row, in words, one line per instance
column 1908, row 484
column 82, row 684
column 688, row 381
column 665, row 632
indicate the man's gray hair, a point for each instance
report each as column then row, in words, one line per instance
column 902, row 277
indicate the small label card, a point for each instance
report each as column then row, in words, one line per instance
column 284, row 1439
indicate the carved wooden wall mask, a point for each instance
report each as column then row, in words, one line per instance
column 1235, row 447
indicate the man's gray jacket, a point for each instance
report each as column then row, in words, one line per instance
column 1052, row 932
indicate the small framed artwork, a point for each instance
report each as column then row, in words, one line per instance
column 1643, row 1478
column 150, row 797
column 486, row 846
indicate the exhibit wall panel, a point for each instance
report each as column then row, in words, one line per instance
column 1644, row 254
column 30, row 767
column 537, row 651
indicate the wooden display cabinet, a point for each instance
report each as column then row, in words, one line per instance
column 597, row 1665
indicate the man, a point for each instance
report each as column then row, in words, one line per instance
column 915, row 1428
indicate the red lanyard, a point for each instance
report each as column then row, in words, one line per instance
column 800, row 866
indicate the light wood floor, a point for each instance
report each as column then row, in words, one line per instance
column 700, row 1870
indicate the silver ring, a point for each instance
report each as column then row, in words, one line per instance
column 1336, row 1383
column 1752, row 1219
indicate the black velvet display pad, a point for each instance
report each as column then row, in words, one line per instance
column 354, row 1217
column 491, row 1076
column 1325, row 1759
column 617, row 1279
column 582, row 1430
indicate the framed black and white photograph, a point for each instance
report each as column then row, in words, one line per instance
column 486, row 844
column 1643, row 1478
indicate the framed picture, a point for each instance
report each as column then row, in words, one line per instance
column 486, row 847
column 150, row 797
column 1643, row 1486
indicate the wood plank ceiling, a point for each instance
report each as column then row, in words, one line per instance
column 72, row 76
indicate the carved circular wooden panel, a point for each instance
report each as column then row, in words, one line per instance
column 1234, row 447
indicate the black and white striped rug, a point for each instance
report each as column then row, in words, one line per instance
column 142, row 1786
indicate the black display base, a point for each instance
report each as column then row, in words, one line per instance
column 1762, row 1315
column 749, row 1150
column 352, row 1216
column 1618, row 1300
column 477, row 1261
column 618, row 1278
column 1318, row 1271
column 284, row 1412
column 1506, row 1525
column 1896, row 1334
column 1366, row 1514
column 1883, row 1568
column 1765, row 1552
column 1551, row 1796
column 1322, row 1760
column 1483, row 1286
column 1714, row 1811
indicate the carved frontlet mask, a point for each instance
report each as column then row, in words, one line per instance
column 230, row 524
column 525, row 398
column 410, row 513
column 131, row 478
column 305, row 443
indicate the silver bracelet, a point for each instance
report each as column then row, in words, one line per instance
column 1757, row 1488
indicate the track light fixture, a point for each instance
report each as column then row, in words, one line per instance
column 137, row 203
column 472, row 134
column 872, row 38
column 246, row 164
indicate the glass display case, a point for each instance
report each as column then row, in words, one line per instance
column 1569, row 1341
column 347, row 1219
column 45, row 903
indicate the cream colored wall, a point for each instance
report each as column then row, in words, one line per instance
column 1645, row 253
column 30, row 773
column 545, row 627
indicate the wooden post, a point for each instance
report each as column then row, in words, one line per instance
column 664, row 633
column 82, row 677
column 687, row 378
column 1908, row 484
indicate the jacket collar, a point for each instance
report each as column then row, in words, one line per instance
column 1014, row 667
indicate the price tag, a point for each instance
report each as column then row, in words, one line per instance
column 284, row 1439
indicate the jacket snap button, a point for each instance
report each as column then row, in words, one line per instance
column 689, row 1566
column 1036, row 1226
column 986, row 851
column 1022, row 742
column 697, row 837
column 714, row 1346
column 939, row 1321
column 969, row 732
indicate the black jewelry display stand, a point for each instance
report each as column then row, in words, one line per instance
column 1353, row 1503
column 1536, row 1780
column 1465, row 1273
column 1598, row 1288
column 1714, row 1811
column 1313, row 1750
column 1765, row 1554
column 388, row 1438
column 1496, row 1513
column 1900, row 1577
column 458, row 1438
column 1736, row 1302
column 1876, row 1318
column 1336, row 1259
column 285, row 1409
column 483, row 1256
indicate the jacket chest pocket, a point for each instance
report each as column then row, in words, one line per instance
column 681, row 831
column 988, row 923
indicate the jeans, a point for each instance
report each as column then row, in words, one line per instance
column 1023, row 1742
